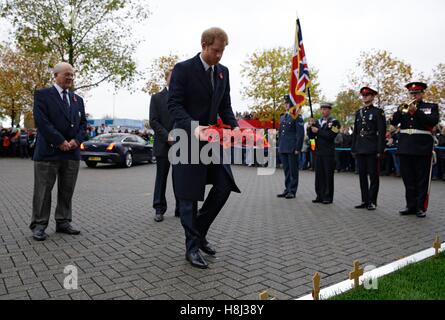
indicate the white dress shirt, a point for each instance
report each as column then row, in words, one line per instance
column 60, row 90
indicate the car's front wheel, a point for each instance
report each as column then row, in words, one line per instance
column 128, row 160
column 91, row 164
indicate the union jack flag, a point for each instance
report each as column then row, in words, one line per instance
column 299, row 81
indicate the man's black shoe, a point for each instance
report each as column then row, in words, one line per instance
column 317, row 201
column 421, row 214
column 197, row 260
column 159, row 217
column 68, row 230
column 372, row 207
column 39, row 235
column 362, row 206
column 206, row 248
column 283, row 195
column 290, row 196
column 327, row 202
column 177, row 214
column 407, row 212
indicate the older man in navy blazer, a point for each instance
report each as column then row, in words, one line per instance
column 61, row 124
column 200, row 91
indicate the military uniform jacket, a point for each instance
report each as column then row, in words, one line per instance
column 291, row 134
column 425, row 118
column 327, row 131
column 369, row 131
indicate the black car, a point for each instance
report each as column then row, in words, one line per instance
column 122, row 149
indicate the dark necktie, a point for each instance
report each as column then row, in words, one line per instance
column 65, row 98
column 210, row 75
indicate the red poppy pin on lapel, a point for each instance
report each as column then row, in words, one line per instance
column 221, row 76
column 74, row 98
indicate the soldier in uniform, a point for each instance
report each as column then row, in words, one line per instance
column 290, row 143
column 416, row 120
column 368, row 145
column 324, row 132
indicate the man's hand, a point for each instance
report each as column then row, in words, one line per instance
column 314, row 129
column 200, row 133
column 73, row 145
column 170, row 139
column 65, row 146
column 236, row 131
column 412, row 108
column 297, row 152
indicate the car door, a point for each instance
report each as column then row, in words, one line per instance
column 146, row 149
column 128, row 144
column 135, row 147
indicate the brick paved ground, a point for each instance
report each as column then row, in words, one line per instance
column 262, row 242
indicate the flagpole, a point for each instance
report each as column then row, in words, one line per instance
column 310, row 100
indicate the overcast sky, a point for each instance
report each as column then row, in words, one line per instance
column 334, row 32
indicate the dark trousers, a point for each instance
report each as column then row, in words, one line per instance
column 416, row 171
column 324, row 177
column 159, row 200
column 197, row 224
column 441, row 163
column 368, row 165
column 291, row 172
column 45, row 174
column 24, row 151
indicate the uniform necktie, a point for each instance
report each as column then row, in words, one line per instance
column 65, row 98
column 210, row 75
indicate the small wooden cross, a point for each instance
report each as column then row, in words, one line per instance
column 264, row 295
column 316, row 286
column 356, row 273
column 437, row 245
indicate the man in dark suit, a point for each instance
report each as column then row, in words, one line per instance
column 324, row 132
column 161, row 123
column 368, row 145
column 61, row 124
column 290, row 143
column 200, row 91
column 417, row 120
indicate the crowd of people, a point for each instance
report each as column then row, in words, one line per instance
column 105, row 129
column 16, row 142
column 19, row 142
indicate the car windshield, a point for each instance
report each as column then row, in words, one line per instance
column 106, row 138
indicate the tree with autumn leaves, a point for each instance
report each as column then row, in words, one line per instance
column 388, row 75
column 267, row 73
column 94, row 36
column 21, row 73
column 157, row 73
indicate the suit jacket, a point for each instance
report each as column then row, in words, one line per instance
column 161, row 122
column 191, row 98
column 369, row 131
column 325, row 138
column 425, row 118
column 56, row 123
column 291, row 134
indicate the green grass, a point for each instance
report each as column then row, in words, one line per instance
column 421, row 281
